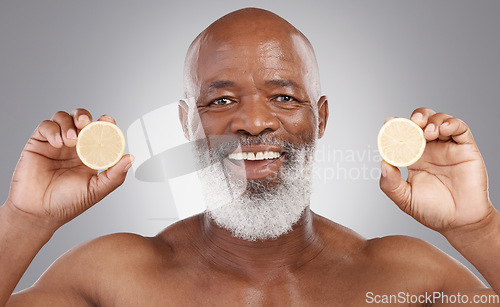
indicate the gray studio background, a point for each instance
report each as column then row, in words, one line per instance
column 377, row 59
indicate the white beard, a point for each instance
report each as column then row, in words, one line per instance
column 254, row 209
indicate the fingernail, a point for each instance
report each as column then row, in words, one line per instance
column 383, row 170
column 104, row 116
column 417, row 116
column 83, row 118
column 58, row 138
column 445, row 124
column 430, row 128
column 71, row 134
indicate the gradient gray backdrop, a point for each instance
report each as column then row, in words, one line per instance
column 377, row 59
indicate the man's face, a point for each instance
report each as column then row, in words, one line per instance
column 257, row 90
column 255, row 87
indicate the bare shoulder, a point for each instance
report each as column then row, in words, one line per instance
column 121, row 245
column 414, row 257
column 409, row 251
column 132, row 251
column 90, row 272
column 393, row 249
column 132, row 248
column 404, row 247
column 395, row 261
column 117, row 251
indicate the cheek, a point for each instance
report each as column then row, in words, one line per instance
column 214, row 123
column 300, row 123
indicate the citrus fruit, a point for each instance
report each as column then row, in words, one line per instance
column 100, row 145
column 401, row 142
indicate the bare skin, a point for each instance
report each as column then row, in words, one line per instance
column 195, row 262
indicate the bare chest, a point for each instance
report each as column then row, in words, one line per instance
column 197, row 288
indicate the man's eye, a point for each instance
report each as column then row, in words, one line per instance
column 222, row 101
column 285, row 98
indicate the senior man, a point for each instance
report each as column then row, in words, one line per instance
column 253, row 77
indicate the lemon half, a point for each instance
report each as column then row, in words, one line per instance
column 100, row 145
column 401, row 142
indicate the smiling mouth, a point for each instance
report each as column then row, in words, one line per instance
column 255, row 164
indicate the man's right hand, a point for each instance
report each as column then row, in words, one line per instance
column 50, row 183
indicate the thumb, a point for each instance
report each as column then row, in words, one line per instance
column 397, row 189
column 110, row 179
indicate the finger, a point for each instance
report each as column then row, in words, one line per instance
column 421, row 115
column 457, row 130
column 49, row 131
column 110, row 179
column 388, row 119
column 432, row 130
column 397, row 189
column 107, row 118
column 81, row 118
column 68, row 129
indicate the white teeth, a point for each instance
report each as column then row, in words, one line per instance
column 237, row 156
column 254, row 155
column 271, row 155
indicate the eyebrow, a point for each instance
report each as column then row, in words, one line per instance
column 222, row 84
column 283, row 83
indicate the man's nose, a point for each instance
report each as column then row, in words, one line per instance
column 254, row 116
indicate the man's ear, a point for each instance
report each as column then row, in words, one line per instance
column 183, row 117
column 322, row 115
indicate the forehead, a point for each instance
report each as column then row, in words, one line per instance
column 257, row 57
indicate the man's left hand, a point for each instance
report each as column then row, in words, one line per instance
column 448, row 187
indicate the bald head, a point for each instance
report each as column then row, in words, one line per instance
column 253, row 34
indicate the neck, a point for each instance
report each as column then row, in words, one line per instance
column 289, row 251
